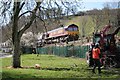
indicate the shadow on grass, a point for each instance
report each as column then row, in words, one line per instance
column 21, row 76
column 112, row 71
column 52, row 69
column 15, row 76
column 57, row 69
column 18, row 76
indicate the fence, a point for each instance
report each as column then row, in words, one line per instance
column 67, row 51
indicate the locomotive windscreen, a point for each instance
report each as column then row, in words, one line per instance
column 72, row 27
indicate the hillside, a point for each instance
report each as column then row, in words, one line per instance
column 87, row 25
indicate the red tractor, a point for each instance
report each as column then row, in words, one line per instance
column 110, row 53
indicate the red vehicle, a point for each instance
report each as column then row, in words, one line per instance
column 109, row 50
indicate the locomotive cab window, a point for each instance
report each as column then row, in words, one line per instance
column 72, row 29
column 75, row 29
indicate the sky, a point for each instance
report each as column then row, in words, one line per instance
column 92, row 4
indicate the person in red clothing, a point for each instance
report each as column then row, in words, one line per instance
column 96, row 58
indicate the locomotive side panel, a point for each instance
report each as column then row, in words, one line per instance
column 57, row 33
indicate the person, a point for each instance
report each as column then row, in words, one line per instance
column 96, row 58
column 91, row 63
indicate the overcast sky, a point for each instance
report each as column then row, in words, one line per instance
column 98, row 4
column 92, row 5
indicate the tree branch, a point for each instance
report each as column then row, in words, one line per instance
column 33, row 16
column 24, row 13
column 43, row 23
column 116, row 31
column 21, row 5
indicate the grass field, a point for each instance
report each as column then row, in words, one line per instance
column 53, row 67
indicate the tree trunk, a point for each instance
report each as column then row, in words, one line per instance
column 16, row 34
column 17, row 54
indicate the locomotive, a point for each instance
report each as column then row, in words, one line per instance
column 62, row 34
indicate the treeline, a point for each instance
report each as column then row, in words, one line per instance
column 99, row 17
column 110, row 15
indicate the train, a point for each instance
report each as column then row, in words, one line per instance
column 62, row 34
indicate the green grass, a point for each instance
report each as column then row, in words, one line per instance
column 0, row 68
column 53, row 67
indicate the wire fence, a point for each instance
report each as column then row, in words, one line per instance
column 66, row 51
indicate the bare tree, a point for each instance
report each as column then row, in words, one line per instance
column 111, row 15
column 16, row 34
column 6, row 32
column 113, row 11
column 108, row 15
column 16, row 10
column 84, row 21
column 97, row 18
column 118, row 14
